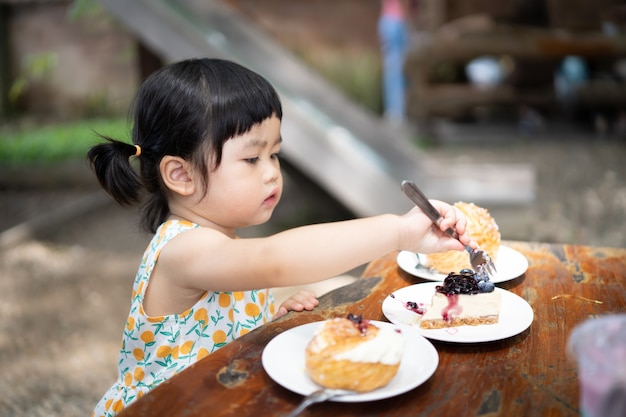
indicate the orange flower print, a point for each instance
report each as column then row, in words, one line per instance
column 201, row 315
column 139, row 290
column 261, row 298
column 163, row 351
column 130, row 323
column 138, row 374
column 252, row 310
column 202, row 353
column 243, row 331
column 138, row 354
column 224, row 300
column 186, row 347
column 147, row 337
column 118, row 406
column 219, row 337
column 238, row 295
column 128, row 379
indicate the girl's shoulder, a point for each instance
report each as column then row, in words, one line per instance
column 197, row 239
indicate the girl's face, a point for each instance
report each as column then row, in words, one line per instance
column 247, row 186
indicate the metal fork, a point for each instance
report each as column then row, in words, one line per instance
column 480, row 260
column 318, row 397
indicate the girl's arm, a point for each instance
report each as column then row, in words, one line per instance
column 206, row 259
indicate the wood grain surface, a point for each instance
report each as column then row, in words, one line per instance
column 528, row 374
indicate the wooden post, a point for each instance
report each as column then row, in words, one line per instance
column 5, row 75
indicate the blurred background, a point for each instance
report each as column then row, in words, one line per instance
column 516, row 105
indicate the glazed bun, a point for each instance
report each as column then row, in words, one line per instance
column 481, row 227
column 354, row 354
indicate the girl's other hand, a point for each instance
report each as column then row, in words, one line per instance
column 302, row 300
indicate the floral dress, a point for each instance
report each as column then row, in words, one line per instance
column 155, row 348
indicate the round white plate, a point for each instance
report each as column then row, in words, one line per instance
column 283, row 360
column 510, row 264
column 516, row 315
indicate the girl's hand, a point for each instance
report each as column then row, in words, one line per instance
column 302, row 300
column 433, row 238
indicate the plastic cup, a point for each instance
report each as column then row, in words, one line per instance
column 599, row 347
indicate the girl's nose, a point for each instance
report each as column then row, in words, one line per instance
column 272, row 172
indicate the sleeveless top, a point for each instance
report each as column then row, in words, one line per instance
column 155, row 348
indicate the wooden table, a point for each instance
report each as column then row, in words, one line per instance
column 525, row 375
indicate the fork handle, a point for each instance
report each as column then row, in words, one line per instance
column 317, row 397
column 417, row 196
column 304, row 404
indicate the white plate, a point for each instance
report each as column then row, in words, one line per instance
column 510, row 264
column 283, row 360
column 516, row 315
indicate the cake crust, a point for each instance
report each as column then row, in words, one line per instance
column 456, row 322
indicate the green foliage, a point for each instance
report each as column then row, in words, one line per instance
column 35, row 68
column 40, row 67
column 360, row 79
column 81, row 8
column 48, row 144
column 358, row 76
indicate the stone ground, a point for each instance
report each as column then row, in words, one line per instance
column 64, row 290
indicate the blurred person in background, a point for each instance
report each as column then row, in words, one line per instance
column 393, row 32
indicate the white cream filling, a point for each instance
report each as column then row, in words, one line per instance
column 387, row 348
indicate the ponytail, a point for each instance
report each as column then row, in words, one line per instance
column 110, row 162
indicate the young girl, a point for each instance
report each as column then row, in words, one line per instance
column 207, row 139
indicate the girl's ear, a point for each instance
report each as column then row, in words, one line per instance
column 177, row 175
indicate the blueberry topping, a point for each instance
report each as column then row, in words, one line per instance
column 458, row 284
column 466, row 282
column 355, row 319
column 481, row 276
column 414, row 307
column 358, row 322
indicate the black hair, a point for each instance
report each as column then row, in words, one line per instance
column 185, row 109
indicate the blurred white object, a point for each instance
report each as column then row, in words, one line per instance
column 484, row 72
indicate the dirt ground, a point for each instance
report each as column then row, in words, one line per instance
column 65, row 291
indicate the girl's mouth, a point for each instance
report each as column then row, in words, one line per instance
column 272, row 200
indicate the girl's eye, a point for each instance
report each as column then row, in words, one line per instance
column 252, row 160
column 276, row 155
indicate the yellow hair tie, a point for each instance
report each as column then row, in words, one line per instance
column 138, row 150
